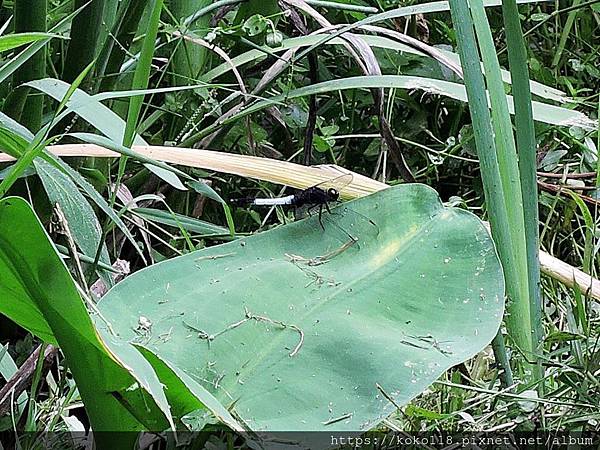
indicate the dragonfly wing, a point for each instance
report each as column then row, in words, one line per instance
column 337, row 183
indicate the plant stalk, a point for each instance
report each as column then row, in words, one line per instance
column 23, row 105
column 527, row 157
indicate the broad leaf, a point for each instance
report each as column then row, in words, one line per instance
column 294, row 328
column 120, row 387
column 82, row 221
column 38, row 293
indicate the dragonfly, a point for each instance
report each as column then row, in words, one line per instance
column 319, row 196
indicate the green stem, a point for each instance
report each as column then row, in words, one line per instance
column 84, row 38
column 502, row 360
column 499, row 196
column 526, row 145
column 23, row 107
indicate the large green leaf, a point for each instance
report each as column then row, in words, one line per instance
column 120, row 386
column 38, row 293
column 294, row 328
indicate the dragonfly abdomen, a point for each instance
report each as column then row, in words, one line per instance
column 287, row 200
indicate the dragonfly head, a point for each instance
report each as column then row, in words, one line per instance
column 333, row 194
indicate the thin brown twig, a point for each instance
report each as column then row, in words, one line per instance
column 19, row 382
column 567, row 175
column 296, row 349
column 66, row 231
column 562, row 191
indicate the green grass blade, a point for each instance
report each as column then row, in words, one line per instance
column 542, row 112
column 486, row 149
column 15, row 40
column 141, row 77
column 176, row 220
column 519, row 311
column 403, row 11
column 565, row 33
column 142, row 73
column 256, row 56
column 526, row 149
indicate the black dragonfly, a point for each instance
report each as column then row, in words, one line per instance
column 319, row 196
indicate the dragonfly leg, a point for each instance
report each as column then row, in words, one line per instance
column 310, row 210
column 321, row 213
